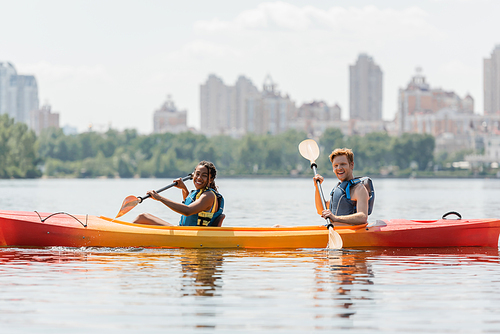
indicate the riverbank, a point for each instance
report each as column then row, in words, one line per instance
column 413, row 175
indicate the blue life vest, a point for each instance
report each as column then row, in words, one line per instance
column 340, row 197
column 204, row 218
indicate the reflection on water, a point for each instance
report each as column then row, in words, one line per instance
column 59, row 290
column 351, row 269
column 202, row 272
column 120, row 290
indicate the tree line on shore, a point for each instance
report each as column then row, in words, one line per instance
column 129, row 154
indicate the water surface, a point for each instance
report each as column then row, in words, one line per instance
column 57, row 290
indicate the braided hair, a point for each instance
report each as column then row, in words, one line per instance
column 212, row 172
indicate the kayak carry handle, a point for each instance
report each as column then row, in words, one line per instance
column 63, row 213
column 452, row 213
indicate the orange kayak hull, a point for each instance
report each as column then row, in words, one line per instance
column 26, row 229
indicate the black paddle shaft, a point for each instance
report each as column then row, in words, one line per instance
column 329, row 222
column 185, row 178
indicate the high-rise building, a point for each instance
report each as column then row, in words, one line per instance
column 270, row 111
column 316, row 116
column 365, row 89
column 243, row 90
column 8, row 89
column 18, row 93
column 27, row 97
column 241, row 109
column 43, row 118
column 418, row 99
column 169, row 119
column 491, row 82
column 223, row 108
column 215, row 115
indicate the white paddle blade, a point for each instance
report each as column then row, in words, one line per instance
column 309, row 150
column 334, row 239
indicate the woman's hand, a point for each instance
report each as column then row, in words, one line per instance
column 182, row 186
column 154, row 195
column 179, row 183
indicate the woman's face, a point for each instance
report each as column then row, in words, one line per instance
column 201, row 177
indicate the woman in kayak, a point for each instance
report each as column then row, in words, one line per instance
column 201, row 207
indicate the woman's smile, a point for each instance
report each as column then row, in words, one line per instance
column 200, row 177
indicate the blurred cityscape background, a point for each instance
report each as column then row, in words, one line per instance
column 434, row 130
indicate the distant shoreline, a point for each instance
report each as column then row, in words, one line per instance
column 266, row 176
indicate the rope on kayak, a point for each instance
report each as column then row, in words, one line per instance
column 64, row 213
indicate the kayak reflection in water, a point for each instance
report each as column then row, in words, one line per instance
column 351, row 201
column 201, row 207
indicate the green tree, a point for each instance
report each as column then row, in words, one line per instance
column 273, row 154
column 374, row 152
column 18, row 157
column 250, row 155
column 225, row 156
column 125, row 170
column 331, row 139
column 289, row 142
column 89, row 141
column 413, row 147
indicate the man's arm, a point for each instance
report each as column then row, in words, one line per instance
column 318, row 199
column 360, row 195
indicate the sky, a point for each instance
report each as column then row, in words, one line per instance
column 113, row 62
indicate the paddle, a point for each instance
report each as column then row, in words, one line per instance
column 131, row 201
column 310, row 150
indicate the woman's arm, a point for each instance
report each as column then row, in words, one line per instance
column 181, row 185
column 203, row 203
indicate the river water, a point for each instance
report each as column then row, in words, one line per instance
column 57, row 290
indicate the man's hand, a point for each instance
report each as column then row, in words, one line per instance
column 328, row 214
column 317, row 178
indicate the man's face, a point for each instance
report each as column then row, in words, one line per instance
column 342, row 168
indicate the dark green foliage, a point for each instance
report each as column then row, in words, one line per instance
column 332, row 139
column 378, row 150
column 128, row 154
column 18, row 157
column 125, row 169
column 416, row 148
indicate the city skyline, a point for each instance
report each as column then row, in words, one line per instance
column 114, row 63
column 492, row 82
column 18, row 93
column 365, row 92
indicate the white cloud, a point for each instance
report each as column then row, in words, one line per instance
column 360, row 23
column 457, row 76
column 82, row 94
column 203, row 49
column 308, row 49
column 464, row 1
column 64, row 73
column 457, row 67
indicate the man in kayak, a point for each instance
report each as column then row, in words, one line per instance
column 201, row 207
column 350, row 202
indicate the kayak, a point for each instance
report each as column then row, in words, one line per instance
column 32, row 229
